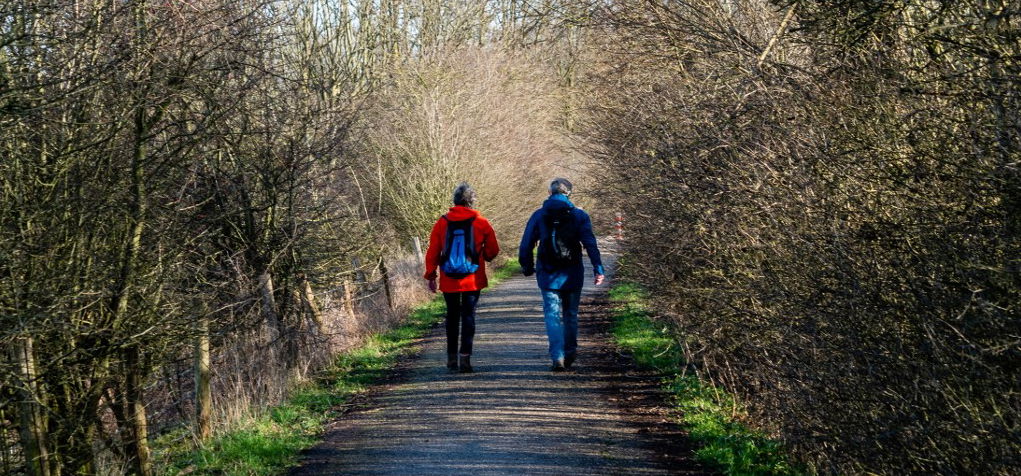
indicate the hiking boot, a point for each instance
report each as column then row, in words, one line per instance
column 452, row 361
column 558, row 366
column 464, row 362
column 569, row 361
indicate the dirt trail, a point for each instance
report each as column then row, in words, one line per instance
column 512, row 416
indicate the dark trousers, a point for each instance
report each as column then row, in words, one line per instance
column 461, row 314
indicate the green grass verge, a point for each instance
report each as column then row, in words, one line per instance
column 509, row 268
column 267, row 444
column 706, row 412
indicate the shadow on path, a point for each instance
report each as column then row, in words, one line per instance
column 512, row 416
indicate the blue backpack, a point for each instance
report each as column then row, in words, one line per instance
column 459, row 257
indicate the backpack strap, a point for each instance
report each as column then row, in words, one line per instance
column 445, row 252
column 470, row 240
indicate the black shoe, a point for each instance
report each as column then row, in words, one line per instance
column 464, row 362
column 558, row 366
column 452, row 361
column 569, row 361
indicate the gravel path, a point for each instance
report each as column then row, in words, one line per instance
column 512, row 416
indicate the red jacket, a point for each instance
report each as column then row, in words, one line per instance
column 485, row 242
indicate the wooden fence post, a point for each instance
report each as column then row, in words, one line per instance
column 356, row 264
column 348, row 299
column 416, row 243
column 203, row 377
column 386, row 282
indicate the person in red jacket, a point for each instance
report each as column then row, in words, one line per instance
column 461, row 293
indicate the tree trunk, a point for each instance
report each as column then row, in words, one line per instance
column 33, row 421
column 280, row 333
column 138, row 442
column 269, row 304
column 309, row 299
column 780, row 30
column 134, row 372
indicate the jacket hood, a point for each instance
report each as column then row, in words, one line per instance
column 557, row 202
column 459, row 213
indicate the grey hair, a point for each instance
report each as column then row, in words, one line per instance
column 560, row 185
column 464, row 195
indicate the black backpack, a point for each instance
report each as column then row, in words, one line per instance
column 459, row 257
column 559, row 245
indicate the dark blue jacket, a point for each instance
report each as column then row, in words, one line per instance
column 549, row 277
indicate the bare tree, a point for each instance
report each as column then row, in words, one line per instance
column 183, row 182
column 827, row 213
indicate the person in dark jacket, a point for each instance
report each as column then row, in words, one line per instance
column 560, row 281
column 461, row 294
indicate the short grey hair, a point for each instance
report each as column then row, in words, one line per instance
column 560, row 185
column 464, row 195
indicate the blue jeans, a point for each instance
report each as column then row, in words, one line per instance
column 560, row 308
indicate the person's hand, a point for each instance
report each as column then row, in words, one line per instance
column 599, row 279
column 432, row 285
